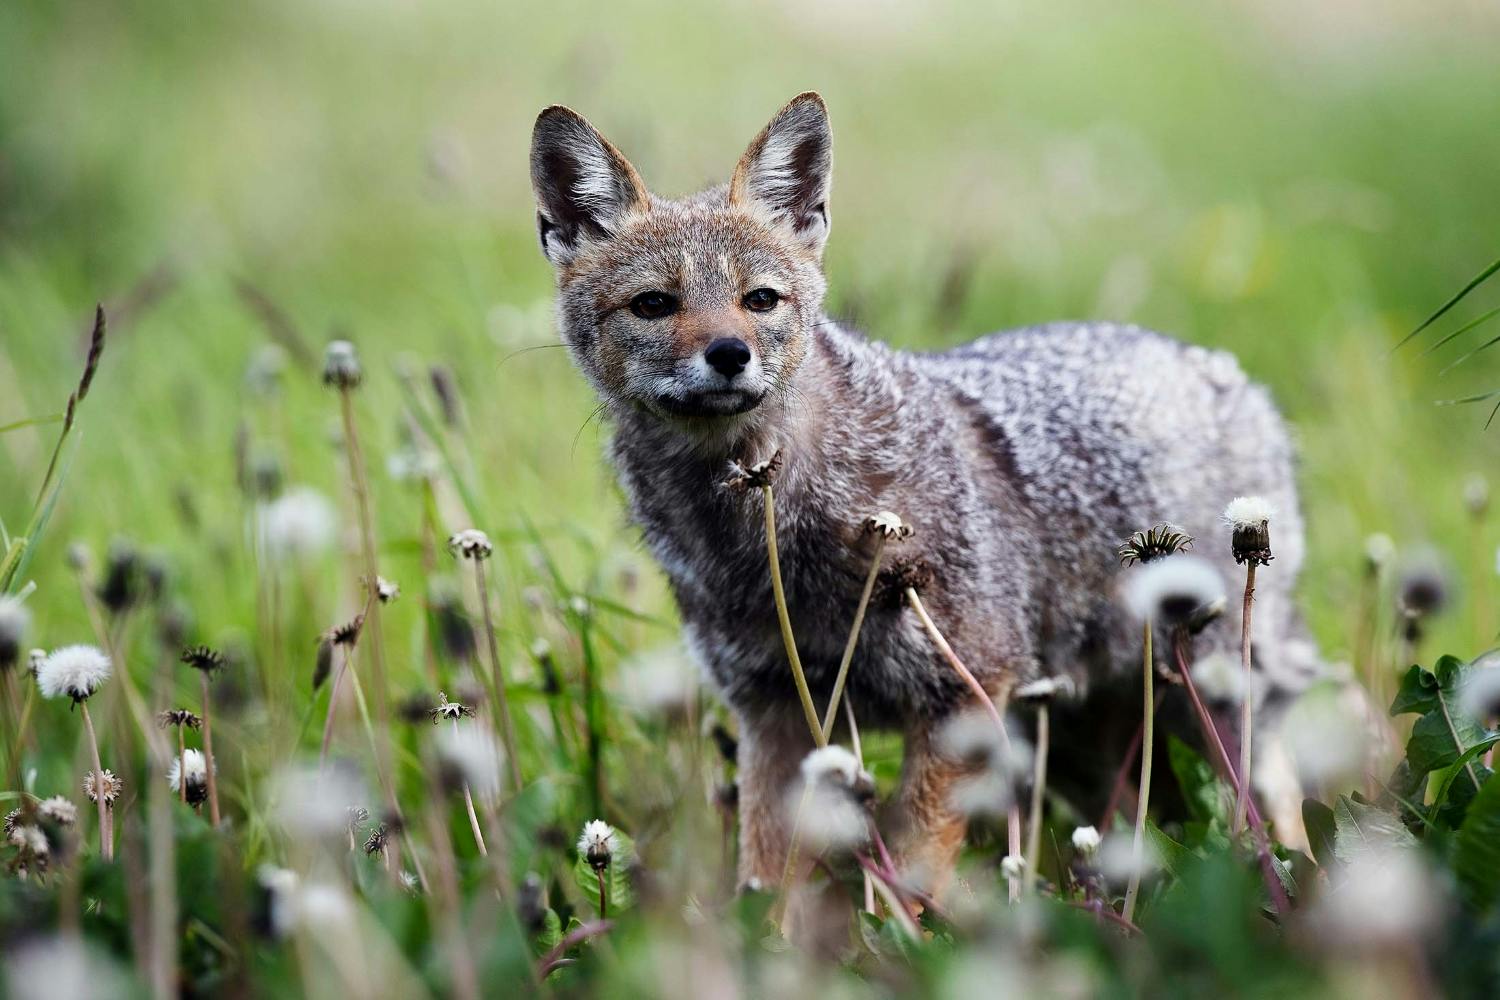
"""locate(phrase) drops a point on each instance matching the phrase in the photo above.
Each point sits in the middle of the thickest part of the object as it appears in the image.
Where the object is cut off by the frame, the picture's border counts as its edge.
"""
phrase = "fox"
(1020, 461)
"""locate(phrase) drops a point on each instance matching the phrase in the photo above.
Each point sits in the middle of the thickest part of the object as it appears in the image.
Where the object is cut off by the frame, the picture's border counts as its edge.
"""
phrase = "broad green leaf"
(550, 934)
(1172, 855)
(1417, 693)
(1476, 854)
(1469, 757)
(1320, 824)
(1200, 788)
(1360, 828)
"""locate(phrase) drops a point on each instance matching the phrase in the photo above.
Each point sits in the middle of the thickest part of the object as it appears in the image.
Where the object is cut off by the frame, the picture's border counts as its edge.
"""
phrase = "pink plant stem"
(1013, 814)
(1211, 734)
(1247, 702)
(106, 835)
(208, 755)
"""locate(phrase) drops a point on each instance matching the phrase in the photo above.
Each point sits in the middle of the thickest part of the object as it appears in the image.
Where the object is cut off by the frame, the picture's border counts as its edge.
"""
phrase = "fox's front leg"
(930, 831)
(772, 745)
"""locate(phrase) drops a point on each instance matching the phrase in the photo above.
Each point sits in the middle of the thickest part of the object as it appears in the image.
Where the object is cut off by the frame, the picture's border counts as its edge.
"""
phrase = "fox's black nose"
(728, 356)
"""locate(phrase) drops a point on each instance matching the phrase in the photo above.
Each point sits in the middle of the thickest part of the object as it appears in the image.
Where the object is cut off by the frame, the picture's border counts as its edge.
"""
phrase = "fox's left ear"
(785, 173)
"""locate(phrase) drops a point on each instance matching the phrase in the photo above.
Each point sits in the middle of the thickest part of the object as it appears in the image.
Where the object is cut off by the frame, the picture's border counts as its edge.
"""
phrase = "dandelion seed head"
(838, 795)
(297, 526)
(1219, 677)
(386, 590)
(471, 754)
(889, 525)
(1086, 840)
(178, 717)
(29, 838)
(62, 967)
(660, 683)
(1424, 588)
(191, 767)
(1379, 551)
(1479, 696)
(470, 543)
(313, 802)
(15, 623)
(449, 711)
(598, 843)
(1387, 897)
(58, 810)
(1172, 589)
(1327, 737)
(1117, 861)
(1477, 495)
(341, 368)
(75, 671)
(104, 783)
(1012, 866)
(1248, 512)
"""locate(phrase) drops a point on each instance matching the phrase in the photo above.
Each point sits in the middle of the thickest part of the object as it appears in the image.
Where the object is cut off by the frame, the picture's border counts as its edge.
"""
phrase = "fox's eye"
(762, 300)
(653, 305)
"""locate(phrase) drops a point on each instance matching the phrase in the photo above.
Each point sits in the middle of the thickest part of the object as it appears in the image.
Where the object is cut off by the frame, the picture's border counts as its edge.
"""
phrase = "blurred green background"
(1298, 185)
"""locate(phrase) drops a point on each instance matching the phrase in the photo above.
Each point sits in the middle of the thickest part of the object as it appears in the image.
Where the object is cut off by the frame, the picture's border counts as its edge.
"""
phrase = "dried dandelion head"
(470, 543)
(449, 711)
(178, 717)
(1154, 543)
(204, 658)
(58, 810)
(907, 573)
(386, 591)
(76, 671)
(341, 368)
(742, 478)
(346, 634)
(888, 525)
(376, 841)
(1249, 520)
(105, 785)
(15, 622)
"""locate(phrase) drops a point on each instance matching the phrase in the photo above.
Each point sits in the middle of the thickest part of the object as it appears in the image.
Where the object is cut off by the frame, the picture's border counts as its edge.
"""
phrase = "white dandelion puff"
(1219, 677)
(1173, 589)
(1012, 866)
(1386, 898)
(598, 843)
(1086, 840)
(15, 622)
(470, 543)
(76, 671)
(1248, 512)
(472, 753)
(661, 682)
(1379, 551)
(59, 810)
(298, 525)
(314, 802)
(1479, 696)
(62, 968)
(1327, 738)
(341, 367)
(195, 773)
(833, 801)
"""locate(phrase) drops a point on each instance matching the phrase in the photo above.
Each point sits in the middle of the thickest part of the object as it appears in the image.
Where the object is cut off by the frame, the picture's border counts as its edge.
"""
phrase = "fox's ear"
(785, 172)
(583, 185)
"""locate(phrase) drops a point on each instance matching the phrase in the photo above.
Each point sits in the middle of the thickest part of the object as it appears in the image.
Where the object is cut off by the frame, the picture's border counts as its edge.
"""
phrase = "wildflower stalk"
(785, 619)
(182, 766)
(859, 620)
(1247, 701)
(1013, 813)
(1211, 736)
(106, 835)
(1038, 789)
(1148, 730)
(163, 878)
(473, 818)
(208, 753)
(502, 703)
(603, 894)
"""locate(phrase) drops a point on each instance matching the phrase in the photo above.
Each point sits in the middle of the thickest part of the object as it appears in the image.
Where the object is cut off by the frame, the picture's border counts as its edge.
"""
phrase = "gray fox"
(1022, 460)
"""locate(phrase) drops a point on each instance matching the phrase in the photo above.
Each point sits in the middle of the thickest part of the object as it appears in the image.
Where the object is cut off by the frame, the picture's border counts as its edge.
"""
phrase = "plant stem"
(208, 755)
(1013, 813)
(473, 819)
(502, 703)
(785, 618)
(603, 894)
(1247, 702)
(1211, 736)
(181, 766)
(859, 620)
(1038, 790)
(333, 700)
(1148, 731)
(106, 836)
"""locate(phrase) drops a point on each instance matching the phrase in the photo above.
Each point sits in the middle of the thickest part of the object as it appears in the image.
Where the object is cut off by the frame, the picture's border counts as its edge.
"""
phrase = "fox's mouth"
(712, 403)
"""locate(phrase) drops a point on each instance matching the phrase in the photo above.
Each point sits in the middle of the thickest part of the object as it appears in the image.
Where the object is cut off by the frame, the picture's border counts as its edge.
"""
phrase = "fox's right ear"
(583, 185)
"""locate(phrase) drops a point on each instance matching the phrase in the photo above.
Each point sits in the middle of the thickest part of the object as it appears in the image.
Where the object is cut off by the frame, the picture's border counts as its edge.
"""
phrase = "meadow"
(239, 188)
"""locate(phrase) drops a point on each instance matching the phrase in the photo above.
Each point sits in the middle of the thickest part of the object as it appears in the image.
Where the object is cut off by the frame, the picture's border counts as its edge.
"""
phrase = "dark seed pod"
(323, 664)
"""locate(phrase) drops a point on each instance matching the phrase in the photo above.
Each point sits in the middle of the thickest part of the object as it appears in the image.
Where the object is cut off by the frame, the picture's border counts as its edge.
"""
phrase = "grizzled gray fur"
(1021, 460)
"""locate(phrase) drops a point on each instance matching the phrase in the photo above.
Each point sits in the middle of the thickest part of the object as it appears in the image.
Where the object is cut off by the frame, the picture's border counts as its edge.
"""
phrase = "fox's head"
(695, 311)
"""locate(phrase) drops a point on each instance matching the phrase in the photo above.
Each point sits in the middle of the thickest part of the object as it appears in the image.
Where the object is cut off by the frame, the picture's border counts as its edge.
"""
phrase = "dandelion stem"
(1038, 790)
(1247, 702)
(469, 805)
(603, 894)
(502, 703)
(859, 620)
(106, 836)
(785, 618)
(208, 754)
(1013, 814)
(1143, 800)
(181, 766)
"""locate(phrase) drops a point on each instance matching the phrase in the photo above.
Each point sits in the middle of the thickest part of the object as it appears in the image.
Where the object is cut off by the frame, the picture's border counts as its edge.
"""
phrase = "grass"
(1302, 192)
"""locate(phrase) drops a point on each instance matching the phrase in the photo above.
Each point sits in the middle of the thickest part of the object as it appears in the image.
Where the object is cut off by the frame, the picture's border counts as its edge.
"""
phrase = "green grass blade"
(1486, 317)
(1478, 280)
(39, 518)
(50, 418)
